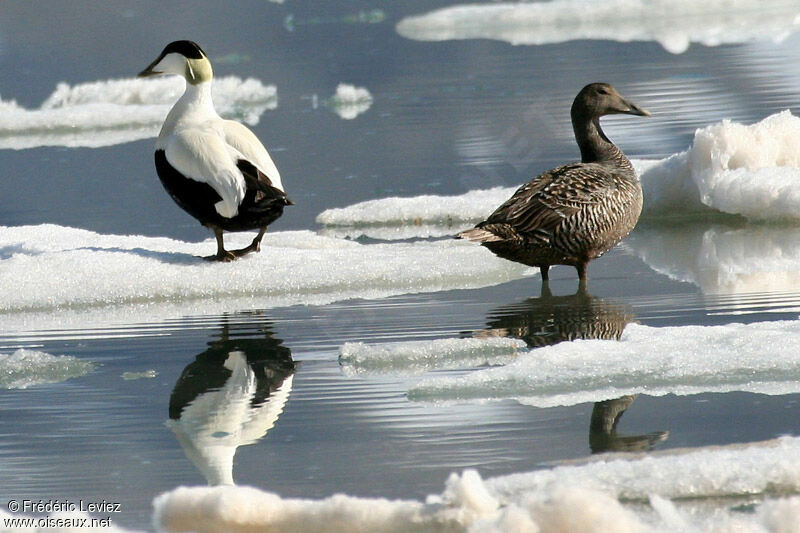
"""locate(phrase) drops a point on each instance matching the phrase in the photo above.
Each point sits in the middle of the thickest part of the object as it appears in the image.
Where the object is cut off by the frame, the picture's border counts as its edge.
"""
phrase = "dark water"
(446, 119)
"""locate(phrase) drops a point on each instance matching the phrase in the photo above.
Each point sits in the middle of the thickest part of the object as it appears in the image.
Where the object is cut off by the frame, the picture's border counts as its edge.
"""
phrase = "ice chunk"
(109, 112)
(25, 368)
(450, 211)
(350, 101)
(673, 24)
(750, 170)
(417, 357)
(759, 357)
(580, 497)
(47, 267)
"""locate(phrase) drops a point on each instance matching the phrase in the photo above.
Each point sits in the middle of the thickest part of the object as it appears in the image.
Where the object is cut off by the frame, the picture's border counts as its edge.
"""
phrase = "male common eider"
(573, 213)
(215, 169)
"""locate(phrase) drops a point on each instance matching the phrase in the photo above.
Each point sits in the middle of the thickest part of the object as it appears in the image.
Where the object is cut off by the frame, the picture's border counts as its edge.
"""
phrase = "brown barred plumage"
(576, 212)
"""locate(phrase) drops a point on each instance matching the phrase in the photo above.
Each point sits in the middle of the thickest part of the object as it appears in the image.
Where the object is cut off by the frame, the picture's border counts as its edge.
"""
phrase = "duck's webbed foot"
(222, 254)
(254, 246)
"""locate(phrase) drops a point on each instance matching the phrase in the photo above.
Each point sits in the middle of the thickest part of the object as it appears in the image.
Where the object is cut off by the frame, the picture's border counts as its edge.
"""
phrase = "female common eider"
(573, 213)
(215, 169)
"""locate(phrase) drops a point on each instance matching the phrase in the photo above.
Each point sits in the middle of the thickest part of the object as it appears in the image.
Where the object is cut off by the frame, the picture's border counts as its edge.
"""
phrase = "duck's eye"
(601, 90)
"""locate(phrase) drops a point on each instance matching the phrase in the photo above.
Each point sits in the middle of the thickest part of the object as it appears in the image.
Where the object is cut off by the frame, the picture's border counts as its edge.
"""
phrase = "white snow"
(759, 357)
(417, 357)
(674, 24)
(749, 170)
(49, 267)
(350, 101)
(25, 368)
(109, 112)
(587, 497)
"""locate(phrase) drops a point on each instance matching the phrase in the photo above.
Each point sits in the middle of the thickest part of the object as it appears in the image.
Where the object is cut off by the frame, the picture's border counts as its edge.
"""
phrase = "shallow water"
(446, 118)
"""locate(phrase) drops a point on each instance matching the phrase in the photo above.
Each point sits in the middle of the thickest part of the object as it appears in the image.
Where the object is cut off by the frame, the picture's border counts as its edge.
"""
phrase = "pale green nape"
(198, 70)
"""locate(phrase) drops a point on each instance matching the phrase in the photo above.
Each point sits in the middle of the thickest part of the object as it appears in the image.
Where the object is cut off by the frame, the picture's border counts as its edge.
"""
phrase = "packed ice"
(109, 112)
(759, 357)
(48, 267)
(674, 25)
(746, 170)
(589, 497)
(350, 101)
(25, 368)
(416, 357)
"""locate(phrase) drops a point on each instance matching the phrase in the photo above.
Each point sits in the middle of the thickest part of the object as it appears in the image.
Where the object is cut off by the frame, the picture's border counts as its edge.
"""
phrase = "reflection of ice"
(416, 357)
(25, 368)
(749, 170)
(760, 357)
(230, 396)
(721, 259)
(672, 23)
(350, 101)
(47, 267)
(583, 497)
(110, 112)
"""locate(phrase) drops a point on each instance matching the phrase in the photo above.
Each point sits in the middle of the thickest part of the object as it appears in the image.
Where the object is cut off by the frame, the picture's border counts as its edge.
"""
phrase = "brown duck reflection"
(548, 320)
(231, 395)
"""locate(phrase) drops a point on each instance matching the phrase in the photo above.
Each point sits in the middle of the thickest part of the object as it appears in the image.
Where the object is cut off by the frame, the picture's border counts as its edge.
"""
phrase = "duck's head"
(184, 58)
(598, 99)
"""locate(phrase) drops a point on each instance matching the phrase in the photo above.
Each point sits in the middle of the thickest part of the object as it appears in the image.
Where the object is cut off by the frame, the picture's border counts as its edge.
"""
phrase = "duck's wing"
(201, 154)
(546, 201)
(245, 143)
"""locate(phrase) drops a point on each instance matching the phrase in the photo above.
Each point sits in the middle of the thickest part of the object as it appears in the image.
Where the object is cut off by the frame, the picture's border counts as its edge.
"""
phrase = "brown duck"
(576, 212)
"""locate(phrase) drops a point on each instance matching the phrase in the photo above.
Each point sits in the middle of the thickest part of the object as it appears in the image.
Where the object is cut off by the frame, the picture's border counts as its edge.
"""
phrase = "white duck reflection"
(722, 258)
(231, 395)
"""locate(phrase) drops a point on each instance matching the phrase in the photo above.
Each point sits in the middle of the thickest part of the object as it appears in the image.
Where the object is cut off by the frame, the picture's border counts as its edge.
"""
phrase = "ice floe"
(48, 267)
(109, 112)
(350, 101)
(674, 24)
(747, 170)
(417, 357)
(25, 368)
(759, 357)
(588, 497)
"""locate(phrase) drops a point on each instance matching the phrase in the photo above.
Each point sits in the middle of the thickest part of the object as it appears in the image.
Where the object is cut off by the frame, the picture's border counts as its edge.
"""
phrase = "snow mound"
(587, 497)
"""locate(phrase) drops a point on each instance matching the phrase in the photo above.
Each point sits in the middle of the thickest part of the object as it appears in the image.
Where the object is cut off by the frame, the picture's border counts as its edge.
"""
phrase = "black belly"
(197, 198)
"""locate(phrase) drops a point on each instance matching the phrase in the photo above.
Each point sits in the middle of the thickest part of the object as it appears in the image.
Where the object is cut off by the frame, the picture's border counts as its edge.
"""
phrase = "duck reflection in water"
(549, 320)
(230, 396)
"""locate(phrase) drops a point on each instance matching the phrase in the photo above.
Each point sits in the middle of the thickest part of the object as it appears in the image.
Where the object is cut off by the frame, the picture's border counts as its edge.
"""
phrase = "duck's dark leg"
(255, 246)
(222, 254)
(581, 267)
(545, 270)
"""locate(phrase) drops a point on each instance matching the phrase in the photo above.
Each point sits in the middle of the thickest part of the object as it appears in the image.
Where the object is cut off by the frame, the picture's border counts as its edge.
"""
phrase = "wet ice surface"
(366, 371)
